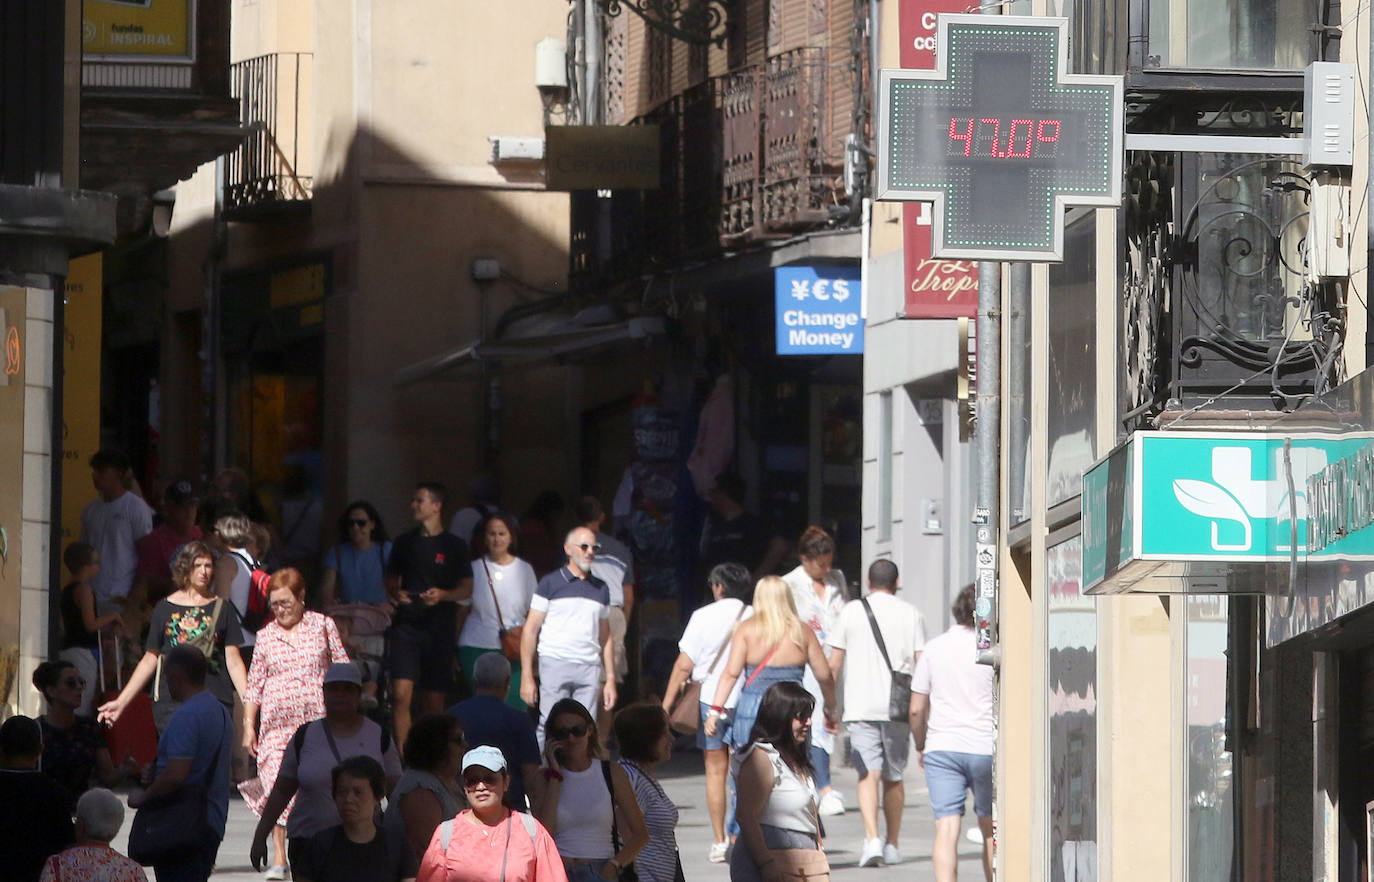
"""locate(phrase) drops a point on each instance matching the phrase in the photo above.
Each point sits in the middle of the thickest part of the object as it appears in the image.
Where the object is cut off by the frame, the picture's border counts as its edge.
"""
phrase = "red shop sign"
(934, 288)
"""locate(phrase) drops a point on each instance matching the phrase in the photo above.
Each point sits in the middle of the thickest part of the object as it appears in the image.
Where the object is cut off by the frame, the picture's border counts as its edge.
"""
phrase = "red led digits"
(982, 138)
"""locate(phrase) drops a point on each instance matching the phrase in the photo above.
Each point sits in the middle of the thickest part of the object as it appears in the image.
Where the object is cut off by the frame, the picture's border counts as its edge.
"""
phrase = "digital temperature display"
(1000, 138)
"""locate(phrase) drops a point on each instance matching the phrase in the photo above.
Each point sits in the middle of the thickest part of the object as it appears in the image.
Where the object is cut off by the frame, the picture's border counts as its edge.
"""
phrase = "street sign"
(818, 310)
(1000, 137)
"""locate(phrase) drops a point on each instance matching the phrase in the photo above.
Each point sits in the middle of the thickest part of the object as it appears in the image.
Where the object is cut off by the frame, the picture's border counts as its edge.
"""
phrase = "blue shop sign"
(818, 310)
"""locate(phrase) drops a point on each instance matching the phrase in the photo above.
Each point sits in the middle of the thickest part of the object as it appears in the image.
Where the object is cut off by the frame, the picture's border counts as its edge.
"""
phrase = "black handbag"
(170, 827)
(899, 694)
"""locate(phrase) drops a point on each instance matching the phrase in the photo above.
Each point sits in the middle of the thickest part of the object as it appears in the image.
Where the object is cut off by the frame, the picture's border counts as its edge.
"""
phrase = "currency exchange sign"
(1000, 137)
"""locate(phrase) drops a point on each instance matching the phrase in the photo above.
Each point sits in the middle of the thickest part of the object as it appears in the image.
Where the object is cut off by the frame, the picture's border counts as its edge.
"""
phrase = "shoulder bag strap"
(531, 826)
(333, 746)
(877, 634)
(610, 788)
(500, 620)
(763, 664)
(446, 833)
(505, 852)
(726, 642)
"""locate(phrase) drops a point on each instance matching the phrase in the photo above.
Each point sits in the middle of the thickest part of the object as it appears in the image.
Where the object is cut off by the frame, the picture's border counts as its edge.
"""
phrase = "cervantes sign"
(934, 288)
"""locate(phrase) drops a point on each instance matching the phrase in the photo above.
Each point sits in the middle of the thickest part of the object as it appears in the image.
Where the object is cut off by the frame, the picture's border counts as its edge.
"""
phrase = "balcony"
(747, 157)
(270, 173)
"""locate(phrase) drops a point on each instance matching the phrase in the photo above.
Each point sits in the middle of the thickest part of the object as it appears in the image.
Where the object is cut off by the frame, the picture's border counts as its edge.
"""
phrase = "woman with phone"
(588, 805)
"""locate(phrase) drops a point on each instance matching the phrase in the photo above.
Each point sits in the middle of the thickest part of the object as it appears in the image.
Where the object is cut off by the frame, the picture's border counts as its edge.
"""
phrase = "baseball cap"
(486, 756)
(343, 672)
(180, 492)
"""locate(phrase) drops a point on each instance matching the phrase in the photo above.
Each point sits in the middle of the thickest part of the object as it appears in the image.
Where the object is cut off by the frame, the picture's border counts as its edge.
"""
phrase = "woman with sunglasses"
(74, 747)
(285, 690)
(778, 808)
(355, 568)
(502, 588)
(489, 842)
(429, 792)
(588, 804)
(356, 850)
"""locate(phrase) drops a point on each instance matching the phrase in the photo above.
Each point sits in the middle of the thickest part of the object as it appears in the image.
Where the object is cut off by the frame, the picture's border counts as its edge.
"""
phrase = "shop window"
(1072, 389)
(1211, 838)
(1072, 644)
(1246, 34)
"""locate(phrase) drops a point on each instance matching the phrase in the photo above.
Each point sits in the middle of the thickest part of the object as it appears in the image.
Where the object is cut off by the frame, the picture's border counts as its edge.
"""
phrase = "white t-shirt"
(573, 611)
(702, 639)
(866, 676)
(113, 527)
(821, 616)
(960, 693)
(514, 587)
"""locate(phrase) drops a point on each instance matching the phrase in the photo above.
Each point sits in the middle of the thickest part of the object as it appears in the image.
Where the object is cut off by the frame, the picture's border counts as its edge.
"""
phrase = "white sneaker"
(832, 804)
(974, 835)
(275, 873)
(717, 853)
(872, 853)
(891, 856)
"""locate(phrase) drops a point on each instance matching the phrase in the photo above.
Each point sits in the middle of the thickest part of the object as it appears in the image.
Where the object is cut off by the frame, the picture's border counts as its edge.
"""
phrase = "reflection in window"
(1073, 361)
(1210, 830)
(1249, 34)
(1072, 635)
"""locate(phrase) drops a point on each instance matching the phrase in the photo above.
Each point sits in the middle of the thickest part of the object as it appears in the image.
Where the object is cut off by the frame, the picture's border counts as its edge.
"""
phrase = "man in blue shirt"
(196, 747)
(487, 720)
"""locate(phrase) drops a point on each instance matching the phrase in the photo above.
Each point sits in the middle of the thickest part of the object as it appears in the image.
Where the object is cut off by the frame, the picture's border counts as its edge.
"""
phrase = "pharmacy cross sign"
(1000, 138)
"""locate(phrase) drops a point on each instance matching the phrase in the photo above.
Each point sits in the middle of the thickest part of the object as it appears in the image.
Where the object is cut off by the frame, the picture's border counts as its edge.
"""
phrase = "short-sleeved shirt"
(114, 527)
(658, 860)
(476, 852)
(489, 720)
(614, 565)
(314, 809)
(332, 857)
(424, 562)
(960, 693)
(173, 624)
(514, 587)
(361, 574)
(867, 678)
(573, 609)
(199, 730)
(69, 754)
(706, 636)
(156, 550)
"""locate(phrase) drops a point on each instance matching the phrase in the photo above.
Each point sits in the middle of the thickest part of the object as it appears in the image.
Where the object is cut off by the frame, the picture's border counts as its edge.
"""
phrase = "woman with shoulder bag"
(704, 646)
(778, 803)
(588, 804)
(502, 587)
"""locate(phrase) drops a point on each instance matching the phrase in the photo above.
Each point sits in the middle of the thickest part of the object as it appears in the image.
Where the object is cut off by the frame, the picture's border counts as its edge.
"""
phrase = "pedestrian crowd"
(331, 724)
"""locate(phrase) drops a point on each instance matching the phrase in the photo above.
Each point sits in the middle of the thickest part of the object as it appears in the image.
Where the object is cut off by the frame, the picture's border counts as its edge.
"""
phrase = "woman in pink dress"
(285, 690)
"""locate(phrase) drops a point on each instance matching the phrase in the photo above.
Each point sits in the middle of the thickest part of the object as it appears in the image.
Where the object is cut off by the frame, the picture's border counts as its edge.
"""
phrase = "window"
(1073, 360)
(1072, 646)
(1248, 34)
(1211, 839)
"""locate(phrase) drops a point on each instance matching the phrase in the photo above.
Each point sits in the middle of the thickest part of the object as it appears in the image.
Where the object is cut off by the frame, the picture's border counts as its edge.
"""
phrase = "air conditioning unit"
(514, 148)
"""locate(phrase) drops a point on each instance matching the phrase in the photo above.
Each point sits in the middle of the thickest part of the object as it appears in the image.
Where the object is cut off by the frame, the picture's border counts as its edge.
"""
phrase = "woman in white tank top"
(586, 802)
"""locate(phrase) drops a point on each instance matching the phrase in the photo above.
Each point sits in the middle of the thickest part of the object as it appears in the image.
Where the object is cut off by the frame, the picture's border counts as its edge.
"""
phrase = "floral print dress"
(286, 681)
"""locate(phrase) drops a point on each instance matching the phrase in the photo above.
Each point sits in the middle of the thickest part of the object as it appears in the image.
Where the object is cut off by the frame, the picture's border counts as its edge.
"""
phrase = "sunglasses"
(596, 549)
(489, 781)
(357, 523)
(574, 731)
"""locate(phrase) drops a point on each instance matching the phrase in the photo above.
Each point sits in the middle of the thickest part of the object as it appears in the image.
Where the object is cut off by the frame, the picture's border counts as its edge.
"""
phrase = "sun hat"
(486, 756)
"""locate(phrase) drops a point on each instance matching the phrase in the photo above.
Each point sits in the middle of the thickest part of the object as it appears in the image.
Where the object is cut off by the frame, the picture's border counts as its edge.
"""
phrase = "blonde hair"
(235, 529)
(775, 614)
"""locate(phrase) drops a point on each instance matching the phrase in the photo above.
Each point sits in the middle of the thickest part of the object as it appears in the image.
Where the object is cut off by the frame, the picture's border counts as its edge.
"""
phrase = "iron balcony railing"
(272, 168)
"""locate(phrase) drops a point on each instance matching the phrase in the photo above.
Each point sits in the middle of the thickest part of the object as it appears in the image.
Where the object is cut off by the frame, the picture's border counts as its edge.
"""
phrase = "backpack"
(258, 611)
(446, 829)
(298, 740)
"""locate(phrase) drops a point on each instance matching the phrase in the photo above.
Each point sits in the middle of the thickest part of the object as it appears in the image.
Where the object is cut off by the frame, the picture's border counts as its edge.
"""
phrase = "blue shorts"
(951, 775)
(722, 736)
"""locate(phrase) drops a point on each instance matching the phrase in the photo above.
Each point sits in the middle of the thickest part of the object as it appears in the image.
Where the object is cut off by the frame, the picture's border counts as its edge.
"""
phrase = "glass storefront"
(1073, 361)
(1072, 633)
(1209, 789)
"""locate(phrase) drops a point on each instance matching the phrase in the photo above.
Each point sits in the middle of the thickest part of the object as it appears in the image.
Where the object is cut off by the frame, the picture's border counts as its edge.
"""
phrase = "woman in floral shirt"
(99, 815)
(192, 615)
(285, 690)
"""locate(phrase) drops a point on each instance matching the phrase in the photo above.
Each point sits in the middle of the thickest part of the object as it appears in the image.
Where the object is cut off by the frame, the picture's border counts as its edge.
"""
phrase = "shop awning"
(569, 336)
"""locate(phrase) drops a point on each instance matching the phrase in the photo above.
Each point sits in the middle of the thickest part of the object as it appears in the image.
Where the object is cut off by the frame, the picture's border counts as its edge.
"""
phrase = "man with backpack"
(880, 637)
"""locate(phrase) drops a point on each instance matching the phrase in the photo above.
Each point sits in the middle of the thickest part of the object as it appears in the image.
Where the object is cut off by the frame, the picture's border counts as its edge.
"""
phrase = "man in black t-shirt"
(428, 575)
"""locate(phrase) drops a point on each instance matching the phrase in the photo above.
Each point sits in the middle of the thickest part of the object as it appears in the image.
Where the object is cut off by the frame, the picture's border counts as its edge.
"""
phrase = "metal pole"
(986, 446)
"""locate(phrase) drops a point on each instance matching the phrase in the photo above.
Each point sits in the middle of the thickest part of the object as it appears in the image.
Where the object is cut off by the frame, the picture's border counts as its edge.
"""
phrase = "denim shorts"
(721, 738)
(949, 777)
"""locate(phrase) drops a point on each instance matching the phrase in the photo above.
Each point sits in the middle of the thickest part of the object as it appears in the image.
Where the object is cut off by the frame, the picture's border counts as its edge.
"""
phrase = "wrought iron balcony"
(270, 172)
(744, 160)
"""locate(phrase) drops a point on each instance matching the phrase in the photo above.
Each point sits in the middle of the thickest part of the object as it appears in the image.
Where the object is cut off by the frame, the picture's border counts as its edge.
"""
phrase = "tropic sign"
(1216, 500)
